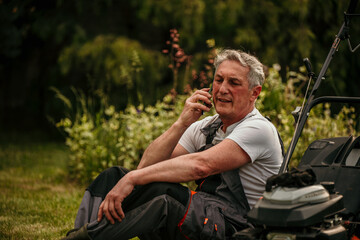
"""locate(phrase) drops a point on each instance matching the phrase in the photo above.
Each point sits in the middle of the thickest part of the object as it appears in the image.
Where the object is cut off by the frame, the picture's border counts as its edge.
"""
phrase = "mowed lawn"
(36, 199)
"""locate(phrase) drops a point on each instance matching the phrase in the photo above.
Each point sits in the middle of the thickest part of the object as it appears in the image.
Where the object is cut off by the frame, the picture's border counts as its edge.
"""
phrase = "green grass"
(36, 200)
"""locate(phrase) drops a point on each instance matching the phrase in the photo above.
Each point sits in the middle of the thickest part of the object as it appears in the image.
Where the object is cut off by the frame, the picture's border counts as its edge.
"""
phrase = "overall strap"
(233, 181)
(210, 133)
(211, 181)
(230, 178)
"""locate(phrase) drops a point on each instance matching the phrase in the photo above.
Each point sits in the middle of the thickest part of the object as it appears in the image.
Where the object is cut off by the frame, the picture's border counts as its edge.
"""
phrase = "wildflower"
(179, 53)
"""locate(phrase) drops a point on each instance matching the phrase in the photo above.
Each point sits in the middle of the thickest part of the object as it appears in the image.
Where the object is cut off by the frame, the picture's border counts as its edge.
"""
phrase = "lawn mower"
(320, 199)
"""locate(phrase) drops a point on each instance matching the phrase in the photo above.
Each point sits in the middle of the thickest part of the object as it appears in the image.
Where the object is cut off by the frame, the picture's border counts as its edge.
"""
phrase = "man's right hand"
(111, 207)
(163, 148)
(194, 107)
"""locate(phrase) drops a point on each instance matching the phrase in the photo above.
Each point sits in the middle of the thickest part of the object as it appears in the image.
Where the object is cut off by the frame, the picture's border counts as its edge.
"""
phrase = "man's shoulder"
(257, 122)
(256, 118)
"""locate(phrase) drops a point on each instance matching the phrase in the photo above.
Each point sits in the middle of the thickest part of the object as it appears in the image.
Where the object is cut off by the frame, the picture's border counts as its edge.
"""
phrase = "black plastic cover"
(328, 159)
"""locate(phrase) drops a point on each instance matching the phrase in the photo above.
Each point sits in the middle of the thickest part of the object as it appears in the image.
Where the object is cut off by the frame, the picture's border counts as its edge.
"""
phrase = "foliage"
(112, 137)
(118, 67)
(35, 34)
(281, 32)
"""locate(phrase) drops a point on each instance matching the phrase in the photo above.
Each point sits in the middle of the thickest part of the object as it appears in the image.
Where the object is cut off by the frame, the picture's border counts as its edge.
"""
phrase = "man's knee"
(106, 180)
(149, 192)
(176, 191)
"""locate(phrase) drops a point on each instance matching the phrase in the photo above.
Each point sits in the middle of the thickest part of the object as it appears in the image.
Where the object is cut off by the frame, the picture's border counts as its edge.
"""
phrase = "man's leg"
(95, 194)
(158, 215)
(156, 207)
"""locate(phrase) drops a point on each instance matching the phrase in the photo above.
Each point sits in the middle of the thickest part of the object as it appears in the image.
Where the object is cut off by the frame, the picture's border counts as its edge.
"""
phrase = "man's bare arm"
(224, 156)
(165, 146)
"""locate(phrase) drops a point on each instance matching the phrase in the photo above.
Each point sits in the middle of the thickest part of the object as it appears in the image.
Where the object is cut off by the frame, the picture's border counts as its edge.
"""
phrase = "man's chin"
(224, 114)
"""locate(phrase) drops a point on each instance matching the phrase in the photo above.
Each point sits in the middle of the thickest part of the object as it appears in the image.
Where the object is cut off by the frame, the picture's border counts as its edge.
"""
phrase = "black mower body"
(337, 160)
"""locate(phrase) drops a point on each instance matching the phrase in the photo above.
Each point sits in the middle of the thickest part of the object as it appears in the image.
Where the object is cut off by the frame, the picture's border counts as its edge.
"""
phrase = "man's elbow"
(202, 168)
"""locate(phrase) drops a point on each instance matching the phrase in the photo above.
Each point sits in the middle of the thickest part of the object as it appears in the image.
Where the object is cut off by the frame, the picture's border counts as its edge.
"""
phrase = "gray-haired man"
(230, 155)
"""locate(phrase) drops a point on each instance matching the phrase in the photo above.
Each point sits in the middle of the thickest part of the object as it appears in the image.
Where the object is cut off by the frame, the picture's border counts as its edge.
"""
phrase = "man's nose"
(224, 88)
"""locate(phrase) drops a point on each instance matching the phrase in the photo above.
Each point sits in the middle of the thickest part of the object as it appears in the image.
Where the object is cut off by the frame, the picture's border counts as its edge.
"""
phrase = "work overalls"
(169, 211)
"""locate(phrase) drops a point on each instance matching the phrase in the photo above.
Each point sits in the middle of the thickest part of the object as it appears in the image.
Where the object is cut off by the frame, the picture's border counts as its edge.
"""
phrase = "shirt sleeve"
(193, 138)
(187, 139)
(255, 137)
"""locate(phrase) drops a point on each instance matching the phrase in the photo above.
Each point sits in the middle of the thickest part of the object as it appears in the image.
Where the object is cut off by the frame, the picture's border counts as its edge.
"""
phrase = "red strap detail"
(201, 183)
(183, 219)
(215, 227)
(354, 238)
(206, 220)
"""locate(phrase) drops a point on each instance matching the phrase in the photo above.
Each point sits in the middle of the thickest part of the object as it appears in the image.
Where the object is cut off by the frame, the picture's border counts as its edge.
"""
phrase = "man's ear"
(255, 92)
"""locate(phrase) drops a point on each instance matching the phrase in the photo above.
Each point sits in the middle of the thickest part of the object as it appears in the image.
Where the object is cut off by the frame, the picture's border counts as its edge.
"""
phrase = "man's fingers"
(201, 95)
(113, 211)
(201, 107)
(204, 99)
(107, 213)
(100, 213)
(119, 210)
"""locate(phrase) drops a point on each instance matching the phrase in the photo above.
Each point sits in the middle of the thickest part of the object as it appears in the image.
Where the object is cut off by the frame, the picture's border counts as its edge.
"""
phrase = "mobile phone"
(211, 88)
(210, 92)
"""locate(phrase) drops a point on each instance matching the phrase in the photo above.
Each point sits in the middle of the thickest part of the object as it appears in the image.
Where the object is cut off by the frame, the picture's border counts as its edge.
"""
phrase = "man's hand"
(111, 206)
(194, 107)
(165, 146)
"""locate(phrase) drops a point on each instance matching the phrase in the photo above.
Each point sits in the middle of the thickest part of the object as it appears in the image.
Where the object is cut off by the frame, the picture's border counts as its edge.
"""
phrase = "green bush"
(114, 138)
(122, 68)
(110, 137)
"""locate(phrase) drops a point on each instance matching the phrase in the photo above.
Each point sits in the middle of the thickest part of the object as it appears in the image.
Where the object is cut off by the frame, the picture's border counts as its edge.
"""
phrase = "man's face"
(231, 94)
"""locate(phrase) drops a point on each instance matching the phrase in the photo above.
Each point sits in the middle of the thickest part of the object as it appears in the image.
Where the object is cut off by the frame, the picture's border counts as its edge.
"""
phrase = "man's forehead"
(232, 67)
(239, 72)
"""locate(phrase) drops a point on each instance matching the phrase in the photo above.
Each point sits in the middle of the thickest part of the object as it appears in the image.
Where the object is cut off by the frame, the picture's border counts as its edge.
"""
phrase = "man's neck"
(228, 122)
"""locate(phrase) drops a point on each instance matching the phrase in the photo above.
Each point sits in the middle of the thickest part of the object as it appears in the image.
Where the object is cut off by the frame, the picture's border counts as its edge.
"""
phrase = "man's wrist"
(180, 125)
(131, 178)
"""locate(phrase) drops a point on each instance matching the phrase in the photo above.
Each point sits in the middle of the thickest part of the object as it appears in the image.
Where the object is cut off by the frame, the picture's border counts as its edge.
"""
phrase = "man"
(230, 155)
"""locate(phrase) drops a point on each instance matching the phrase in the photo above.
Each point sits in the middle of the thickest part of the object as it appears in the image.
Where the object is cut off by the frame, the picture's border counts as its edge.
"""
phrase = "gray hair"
(256, 74)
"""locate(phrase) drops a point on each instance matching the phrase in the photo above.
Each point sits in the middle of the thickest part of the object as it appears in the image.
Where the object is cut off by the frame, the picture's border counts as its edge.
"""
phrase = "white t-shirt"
(257, 136)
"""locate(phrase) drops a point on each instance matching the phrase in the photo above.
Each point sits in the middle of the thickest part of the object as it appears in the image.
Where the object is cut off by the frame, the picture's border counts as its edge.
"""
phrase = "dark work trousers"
(169, 211)
(152, 211)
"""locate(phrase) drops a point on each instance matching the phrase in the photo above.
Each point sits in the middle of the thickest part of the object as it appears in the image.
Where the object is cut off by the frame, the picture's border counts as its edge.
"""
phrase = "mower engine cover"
(309, 194)
(295, 207)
